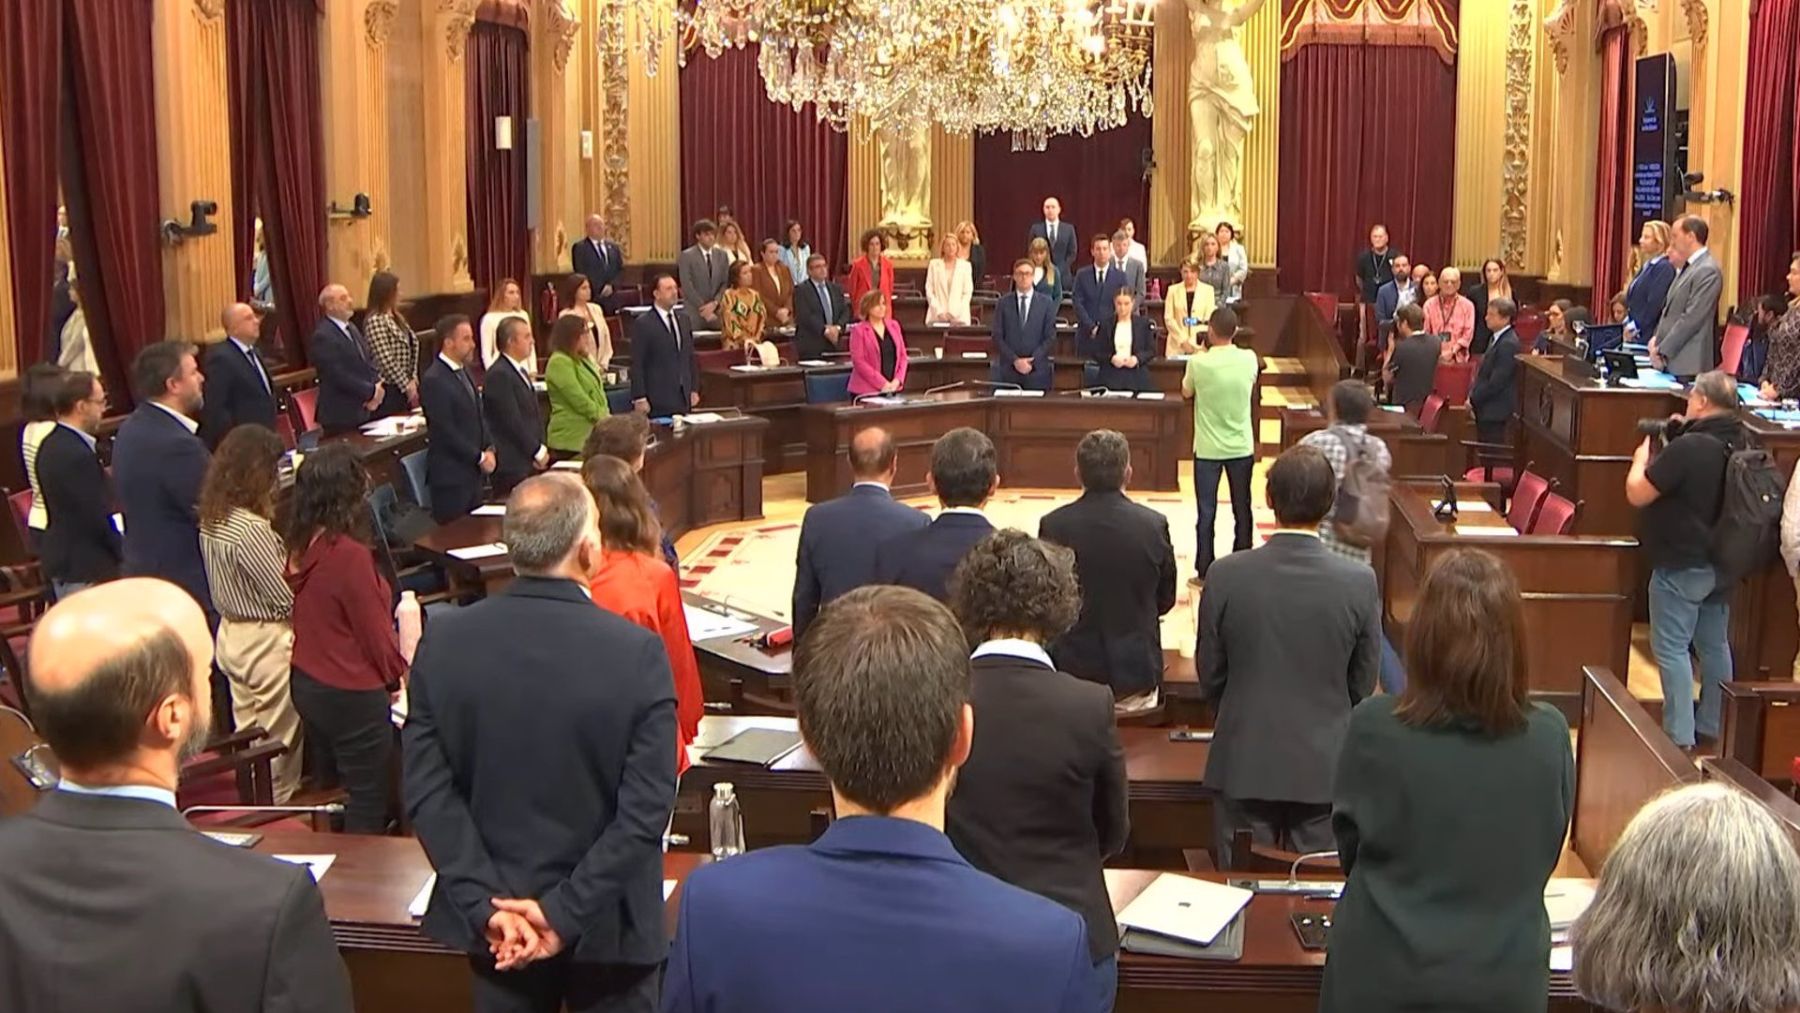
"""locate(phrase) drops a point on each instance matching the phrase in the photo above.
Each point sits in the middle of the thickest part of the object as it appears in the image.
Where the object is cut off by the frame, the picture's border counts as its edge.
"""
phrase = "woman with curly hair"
(1041, 801)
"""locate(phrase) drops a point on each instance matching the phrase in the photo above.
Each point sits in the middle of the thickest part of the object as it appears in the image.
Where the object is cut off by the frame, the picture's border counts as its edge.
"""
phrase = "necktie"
(1052, 233)
(356, 338)
(1024, 302)
(824, 299)
(599, 249)
(669, 322)
(256, 364)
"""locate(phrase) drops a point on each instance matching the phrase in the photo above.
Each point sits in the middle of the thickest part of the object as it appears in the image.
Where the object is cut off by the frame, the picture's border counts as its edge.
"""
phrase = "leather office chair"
(1431, 413)
(827, 386)
(305, 404)
(1453, 380)
(1556, 517)
(413, 465)
(618, 400)
(1090, 374)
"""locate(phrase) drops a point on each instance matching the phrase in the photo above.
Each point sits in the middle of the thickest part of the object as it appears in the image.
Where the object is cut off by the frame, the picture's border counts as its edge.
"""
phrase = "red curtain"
(766, 161)
(31, 50)
(1098, 179)
(1612, 210)
(1368, 134)
(1770, 211)
(496, 83)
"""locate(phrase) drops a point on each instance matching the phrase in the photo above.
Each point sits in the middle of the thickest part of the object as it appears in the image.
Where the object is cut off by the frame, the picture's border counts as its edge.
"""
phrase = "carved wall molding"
(616, 170)
(1697, 21)
(458, 19)
(209, 10)
(1559, 29)
(1622, 14)
(378, 21)
(563, 25)
(1516, 160)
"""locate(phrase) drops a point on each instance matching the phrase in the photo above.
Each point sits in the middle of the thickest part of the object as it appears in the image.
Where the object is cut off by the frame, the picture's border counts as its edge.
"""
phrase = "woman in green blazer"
(1450, 808)
(577, 392)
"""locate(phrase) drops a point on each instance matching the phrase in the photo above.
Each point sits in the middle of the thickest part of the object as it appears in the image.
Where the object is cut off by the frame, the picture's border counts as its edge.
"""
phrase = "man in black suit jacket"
(459, 453)
(350, 388)
(1412, 368)
(109, 899)
(1024, 332)
(1126, 563)
(81, 544)
(542, 798)
(818, 331)
(964, 475)
(597, 258)
(239, 390)
(159, 464)
(665, 379)
(514, 419)
(1061, 236)
(1495, 394)
(838, 538)
(1290, 640)
(1041, 802)
(1375, 265)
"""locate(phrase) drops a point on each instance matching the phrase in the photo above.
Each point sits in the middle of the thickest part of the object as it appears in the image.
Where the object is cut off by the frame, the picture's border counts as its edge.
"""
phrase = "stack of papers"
(473, 552)
(1564, 901)
(704, 624)
(1009, 392)
(1653, 382)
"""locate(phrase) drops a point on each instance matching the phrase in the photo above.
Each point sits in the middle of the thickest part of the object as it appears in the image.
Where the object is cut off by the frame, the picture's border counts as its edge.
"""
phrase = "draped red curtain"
(1098, 179)
(1612, 209)
(1770, 210)
(1368, 134)
(766, 161)
(498, 67)
(31, 50)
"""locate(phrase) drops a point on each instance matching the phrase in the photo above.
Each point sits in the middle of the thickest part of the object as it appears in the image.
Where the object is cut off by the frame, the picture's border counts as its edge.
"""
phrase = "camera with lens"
(1661, 431)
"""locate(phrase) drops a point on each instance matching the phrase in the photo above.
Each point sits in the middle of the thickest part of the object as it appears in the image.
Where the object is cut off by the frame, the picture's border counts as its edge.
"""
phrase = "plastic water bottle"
(726, 822)
(408, 623)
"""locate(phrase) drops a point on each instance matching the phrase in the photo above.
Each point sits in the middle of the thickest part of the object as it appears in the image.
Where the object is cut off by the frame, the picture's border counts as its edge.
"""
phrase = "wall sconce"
(359, 208)
(175, 233)
(503, 133)
(587, 145)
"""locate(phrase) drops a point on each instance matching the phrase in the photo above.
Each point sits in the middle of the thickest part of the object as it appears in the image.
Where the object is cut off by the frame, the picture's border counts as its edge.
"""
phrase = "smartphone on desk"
(1313, 930)
(1191, 735)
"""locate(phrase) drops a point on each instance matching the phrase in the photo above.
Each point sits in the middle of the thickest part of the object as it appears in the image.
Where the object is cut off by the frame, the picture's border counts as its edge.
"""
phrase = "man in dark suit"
(1132, 268)
(597, 258)
(882, 905)
(459, 454)
(1495, 394)
(1375, 265)
(541, 799)
(158, 466)
(350, 388)
(821, 312)
(81, 544)
(1042, 801)
(1126, 563)
(1290, 640)
(515, 422)
(1024, 333)
(963, 476)
(665, 378)
(1684, 345)
(1396, 292)
(1061, 236)
(838, 538)
(1094, 288)
(705, 270)
(238, 387)
(1412, 366)
(109, 899)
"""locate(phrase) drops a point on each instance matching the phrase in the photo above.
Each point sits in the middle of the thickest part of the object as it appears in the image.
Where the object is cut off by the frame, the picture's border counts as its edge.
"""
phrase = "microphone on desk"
(958, 385)
(326, 809)
(860, 398)
(1293, 884)
(995, 384)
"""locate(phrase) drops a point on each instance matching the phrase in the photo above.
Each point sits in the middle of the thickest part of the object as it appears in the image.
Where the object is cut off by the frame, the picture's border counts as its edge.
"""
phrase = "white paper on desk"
(1009, 392)
(884, 402)
(747, 369)
(814, 363)
(480, 551)
(1151, 395)
(974, 355)
(1565, 900)
(566, 466)
(707, 625)
(1505, 531)
(1181, 907)
(315, 864)
(1475, 506)
(489, 510)
(1562, 958)
(422, 899)
(697, 419)
(668, 888)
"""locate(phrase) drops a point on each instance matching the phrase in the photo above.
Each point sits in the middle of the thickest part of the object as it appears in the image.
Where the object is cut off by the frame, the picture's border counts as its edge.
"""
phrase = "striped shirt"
(30, 438)
(1328, 442)
(246, 566)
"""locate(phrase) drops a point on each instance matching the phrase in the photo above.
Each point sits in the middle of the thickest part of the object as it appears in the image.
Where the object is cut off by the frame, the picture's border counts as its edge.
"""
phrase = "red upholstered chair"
(1327, 305)
(1527, 498)
(1528, 325)
(957, 344)
(1493, 463)
(306, 407)
(1431, 413)
(1732, 349)
(21, 510)
(1453, 381)
(1557, 516)
(284, 428)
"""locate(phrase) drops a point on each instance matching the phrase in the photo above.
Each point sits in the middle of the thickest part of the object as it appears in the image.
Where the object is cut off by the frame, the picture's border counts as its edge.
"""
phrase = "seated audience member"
(1449, 312)
(508, 304)
(460, 453)
(1123, 346)
(347, 663)
(742, 314)
(541, 798)
(350, 387)
(963, 476)
(838, 537)
(109, 899)
(81, 545)
(393, 346)
(633, 581)
(158, 466)
(509, 409)
(1344, 438)
(1556, 321)
(1450, 807)
(1186, 308)
(1127, 568)
(576, 390)
(37, 409)
(626, 437)
(1575, 322)
(1494, 396)
(949, 285)
(238, 390)
(1041, 801)
(665, 377)
(1283, 700)
(1780, 378)
(1697, 910)
(881, 912)
(821, 312)
(775, 284)
(1412, 363)
(246, 568)
(877, 350)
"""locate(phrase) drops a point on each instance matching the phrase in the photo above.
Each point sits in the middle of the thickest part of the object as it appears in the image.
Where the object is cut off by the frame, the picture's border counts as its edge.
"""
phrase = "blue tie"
(824, 299)
(256, 364)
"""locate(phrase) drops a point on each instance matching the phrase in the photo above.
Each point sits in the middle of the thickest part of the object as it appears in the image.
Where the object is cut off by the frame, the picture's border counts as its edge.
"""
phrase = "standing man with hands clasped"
(1024, 333)
(665, 378)
(1683, 345)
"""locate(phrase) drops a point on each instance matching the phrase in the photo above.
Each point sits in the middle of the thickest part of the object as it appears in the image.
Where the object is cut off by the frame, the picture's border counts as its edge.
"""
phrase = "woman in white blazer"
(1186, 308)
(949, 285)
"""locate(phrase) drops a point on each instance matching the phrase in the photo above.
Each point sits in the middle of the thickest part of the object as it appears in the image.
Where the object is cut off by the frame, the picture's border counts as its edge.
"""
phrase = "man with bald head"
(350, 387)
(239, 390)
(1450, 312)
(109, 900)
(597, 258)
(838, 538)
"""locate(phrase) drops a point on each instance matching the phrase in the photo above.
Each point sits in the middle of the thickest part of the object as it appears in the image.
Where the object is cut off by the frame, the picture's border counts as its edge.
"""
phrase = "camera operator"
(1679, 485)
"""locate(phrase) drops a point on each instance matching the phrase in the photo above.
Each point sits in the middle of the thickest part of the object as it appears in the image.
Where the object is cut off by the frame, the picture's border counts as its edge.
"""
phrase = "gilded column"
(643, 148)
(1515, 177)
(862, 201)
(193, 162)
(353, 85)
(1169, 128)
(1261, 37)
(556, 105)
(952, 180)
(1481, 104)
(446, 25)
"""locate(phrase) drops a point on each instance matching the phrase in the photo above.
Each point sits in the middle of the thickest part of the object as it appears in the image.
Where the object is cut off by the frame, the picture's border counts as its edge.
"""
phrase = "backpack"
(1359, 517)
(1747, 536)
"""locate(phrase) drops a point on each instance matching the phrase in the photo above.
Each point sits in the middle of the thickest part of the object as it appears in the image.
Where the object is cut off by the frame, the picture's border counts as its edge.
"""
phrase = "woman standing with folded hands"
(877, 349)
(949, 286)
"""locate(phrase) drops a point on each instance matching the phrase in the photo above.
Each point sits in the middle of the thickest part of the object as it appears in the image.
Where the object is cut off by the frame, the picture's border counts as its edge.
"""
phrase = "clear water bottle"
(409, 623)
(726, 822)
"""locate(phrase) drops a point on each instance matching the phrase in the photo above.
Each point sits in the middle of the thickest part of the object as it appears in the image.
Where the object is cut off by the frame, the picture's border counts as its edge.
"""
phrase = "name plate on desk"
(1009, 392)
(1151, 395)
(974, 355)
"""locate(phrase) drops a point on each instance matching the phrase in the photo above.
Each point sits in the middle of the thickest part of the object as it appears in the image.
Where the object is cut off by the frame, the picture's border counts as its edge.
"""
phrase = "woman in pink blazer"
(877, 350)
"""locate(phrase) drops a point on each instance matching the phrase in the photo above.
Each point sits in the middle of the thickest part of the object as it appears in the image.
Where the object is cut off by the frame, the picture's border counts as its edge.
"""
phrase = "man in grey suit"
(1131, 267)
(702, 271)
(109, 899)
(1683, 345)
(1290, 640)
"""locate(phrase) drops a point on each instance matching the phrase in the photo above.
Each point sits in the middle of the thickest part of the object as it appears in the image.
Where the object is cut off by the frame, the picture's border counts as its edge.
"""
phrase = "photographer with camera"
(1677, 479)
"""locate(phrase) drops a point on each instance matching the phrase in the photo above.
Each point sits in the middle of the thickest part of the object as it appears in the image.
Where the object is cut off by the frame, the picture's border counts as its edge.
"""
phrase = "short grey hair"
(545, 519)
(1719, 388)
(1101, 459)
(1698, 909)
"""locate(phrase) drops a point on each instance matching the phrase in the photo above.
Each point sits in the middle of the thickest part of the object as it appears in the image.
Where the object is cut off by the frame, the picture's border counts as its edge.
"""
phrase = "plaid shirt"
(394, 346)
(1328, 442)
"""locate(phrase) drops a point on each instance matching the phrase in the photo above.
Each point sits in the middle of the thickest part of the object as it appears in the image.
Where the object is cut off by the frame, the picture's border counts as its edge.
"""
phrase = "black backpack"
(1747, 536)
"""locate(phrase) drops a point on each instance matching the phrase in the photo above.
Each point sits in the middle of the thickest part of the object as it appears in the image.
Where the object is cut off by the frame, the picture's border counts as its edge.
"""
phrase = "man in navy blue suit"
(460, 454)
(664, 378)
(838, 538)
(158, 466)
(238, 388)
(1094, 287)
(350, 388)
(1061, 236)
(880, 914)
(964, 475)
(1024, 333)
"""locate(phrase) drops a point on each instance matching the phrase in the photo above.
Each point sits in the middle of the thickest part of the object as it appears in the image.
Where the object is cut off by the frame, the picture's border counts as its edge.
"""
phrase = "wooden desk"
(1622, 760)
(1067, 373)
(1415, 452)
(1035, 437)
(774, 395)
(1576, 589)
(1760, 727)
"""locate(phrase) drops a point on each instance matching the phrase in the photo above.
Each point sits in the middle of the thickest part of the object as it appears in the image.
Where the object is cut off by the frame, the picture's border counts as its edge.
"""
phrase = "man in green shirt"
(1220, 380)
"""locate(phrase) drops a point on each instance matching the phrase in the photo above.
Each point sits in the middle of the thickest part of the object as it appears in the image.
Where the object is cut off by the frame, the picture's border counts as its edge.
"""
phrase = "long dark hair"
(37, 395)
(384, 292)
(1465, 647)
(565, 293)
(330, 493)
(244, 473)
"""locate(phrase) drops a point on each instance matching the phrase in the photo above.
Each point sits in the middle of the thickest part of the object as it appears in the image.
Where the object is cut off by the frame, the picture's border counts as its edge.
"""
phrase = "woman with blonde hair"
(1214, 271)
(1649, 288)
(1186, 308)
(949, 286)
(1043, 270)
(508, 301)
(969, 240)
(731, 240)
